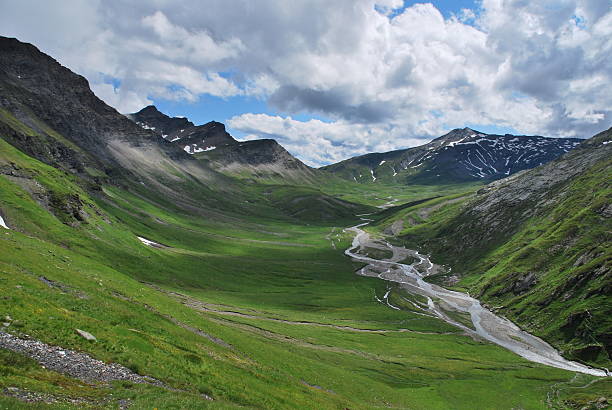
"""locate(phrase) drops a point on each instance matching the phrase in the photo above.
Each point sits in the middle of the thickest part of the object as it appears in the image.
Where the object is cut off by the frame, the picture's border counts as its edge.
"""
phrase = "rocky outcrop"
(210, 142)
(182, 132)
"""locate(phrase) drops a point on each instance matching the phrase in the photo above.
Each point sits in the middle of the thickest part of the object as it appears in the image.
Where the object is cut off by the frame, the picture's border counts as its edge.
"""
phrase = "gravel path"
(74, 364)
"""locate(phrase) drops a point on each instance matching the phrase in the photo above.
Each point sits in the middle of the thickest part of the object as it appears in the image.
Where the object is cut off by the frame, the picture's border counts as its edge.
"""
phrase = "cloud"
(334, 102)
(319, 143)
(376, 70)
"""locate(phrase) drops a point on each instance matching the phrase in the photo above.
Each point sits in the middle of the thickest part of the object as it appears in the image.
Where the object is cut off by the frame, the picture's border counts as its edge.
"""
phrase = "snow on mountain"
(460, 155)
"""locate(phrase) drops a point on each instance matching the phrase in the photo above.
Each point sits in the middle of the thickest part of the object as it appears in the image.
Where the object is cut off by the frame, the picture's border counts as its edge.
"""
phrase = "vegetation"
(548, 271)
(258, 270)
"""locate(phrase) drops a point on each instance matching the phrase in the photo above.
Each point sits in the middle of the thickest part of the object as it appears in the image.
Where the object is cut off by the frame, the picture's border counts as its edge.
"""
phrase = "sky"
(333, 79)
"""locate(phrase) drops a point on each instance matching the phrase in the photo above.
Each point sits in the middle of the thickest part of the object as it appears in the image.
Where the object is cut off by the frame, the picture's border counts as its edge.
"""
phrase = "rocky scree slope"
(537, 247)
(462, 155)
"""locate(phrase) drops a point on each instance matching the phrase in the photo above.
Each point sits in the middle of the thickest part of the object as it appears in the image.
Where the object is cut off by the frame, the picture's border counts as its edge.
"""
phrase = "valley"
(144, 269)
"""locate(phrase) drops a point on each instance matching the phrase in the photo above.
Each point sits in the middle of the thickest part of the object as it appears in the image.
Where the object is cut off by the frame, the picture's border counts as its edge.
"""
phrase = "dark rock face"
(213, 143)
(461, 155)
(258, 152)
(524, 283)
(182, 132)
(40, 92)
(150, 117)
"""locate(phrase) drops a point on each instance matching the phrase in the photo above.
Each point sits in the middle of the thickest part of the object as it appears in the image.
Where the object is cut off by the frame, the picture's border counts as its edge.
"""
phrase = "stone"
(86, 335)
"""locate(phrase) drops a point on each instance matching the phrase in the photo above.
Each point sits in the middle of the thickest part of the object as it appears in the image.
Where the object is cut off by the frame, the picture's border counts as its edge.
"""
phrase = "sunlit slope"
(281, 297)
(535, 247)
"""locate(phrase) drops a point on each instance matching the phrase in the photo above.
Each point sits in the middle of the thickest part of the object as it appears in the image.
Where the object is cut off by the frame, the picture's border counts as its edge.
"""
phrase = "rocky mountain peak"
(463, 154)
(457, 134)
(152, 119)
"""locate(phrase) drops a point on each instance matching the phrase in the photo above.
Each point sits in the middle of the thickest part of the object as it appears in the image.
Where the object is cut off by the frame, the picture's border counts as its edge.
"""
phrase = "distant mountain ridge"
(50, 113)
(462, 155)
(179, 130)
(260, 159)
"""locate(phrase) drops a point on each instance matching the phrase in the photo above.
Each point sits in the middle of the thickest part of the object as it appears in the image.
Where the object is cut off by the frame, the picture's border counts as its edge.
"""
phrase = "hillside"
(534, 246)
(135, 274)
(462, 155)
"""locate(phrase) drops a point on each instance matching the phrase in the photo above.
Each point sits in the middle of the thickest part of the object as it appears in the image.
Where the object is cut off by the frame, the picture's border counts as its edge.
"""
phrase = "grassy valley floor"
(256, 311)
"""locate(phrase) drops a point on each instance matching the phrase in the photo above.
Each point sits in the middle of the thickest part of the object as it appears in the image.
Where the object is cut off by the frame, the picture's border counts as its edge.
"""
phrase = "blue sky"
(211, 108)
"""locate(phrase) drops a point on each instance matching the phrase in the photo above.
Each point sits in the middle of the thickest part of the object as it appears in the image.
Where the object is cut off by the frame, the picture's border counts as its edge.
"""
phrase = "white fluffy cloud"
(383, 77)
(318, 142)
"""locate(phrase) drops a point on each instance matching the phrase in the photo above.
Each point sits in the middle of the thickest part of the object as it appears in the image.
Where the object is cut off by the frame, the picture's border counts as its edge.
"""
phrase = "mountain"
(182, 132)
(263, 160)
(535, 246)
(50, 113)
(136, 275)
(68, 126)
(462, 155)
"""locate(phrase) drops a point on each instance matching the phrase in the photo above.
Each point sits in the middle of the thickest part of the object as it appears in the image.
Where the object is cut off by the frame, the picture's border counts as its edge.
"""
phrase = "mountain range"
(459, 156)
(262, 159)
(146, 261)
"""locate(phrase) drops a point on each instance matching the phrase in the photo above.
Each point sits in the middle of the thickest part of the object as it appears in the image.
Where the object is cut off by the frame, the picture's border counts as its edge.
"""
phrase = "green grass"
(255, 258)
(568, 302)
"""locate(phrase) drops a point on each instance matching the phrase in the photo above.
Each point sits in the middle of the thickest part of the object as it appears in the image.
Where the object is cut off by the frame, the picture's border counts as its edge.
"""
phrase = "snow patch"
(373, 177)
(197, 149)
(453, 143)
(382, 162)
(145, 126)
(149, 243)
(3, 224)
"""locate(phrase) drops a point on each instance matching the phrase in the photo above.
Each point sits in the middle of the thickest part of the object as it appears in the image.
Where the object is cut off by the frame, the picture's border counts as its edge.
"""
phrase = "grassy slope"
(270, 268)
(569, 303)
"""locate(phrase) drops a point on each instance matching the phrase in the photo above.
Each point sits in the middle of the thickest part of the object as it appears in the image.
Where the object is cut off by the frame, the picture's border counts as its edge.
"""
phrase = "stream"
(441, 301)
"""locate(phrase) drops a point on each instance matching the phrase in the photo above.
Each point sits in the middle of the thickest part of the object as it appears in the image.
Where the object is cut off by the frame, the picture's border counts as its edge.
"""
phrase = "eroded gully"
(440, 301)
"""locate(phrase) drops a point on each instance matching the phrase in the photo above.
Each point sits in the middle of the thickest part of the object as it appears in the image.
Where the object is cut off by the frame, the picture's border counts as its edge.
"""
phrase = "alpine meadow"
(358, 212)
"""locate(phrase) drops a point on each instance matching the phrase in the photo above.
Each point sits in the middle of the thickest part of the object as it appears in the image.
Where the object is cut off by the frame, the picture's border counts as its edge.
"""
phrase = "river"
(440, 301)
